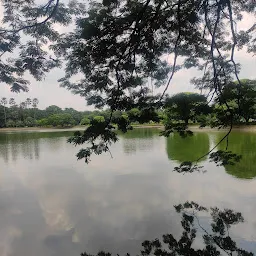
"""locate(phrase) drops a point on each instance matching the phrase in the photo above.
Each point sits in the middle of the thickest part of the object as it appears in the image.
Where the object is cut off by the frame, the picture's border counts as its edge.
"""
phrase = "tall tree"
(243, 96)
(12, 102)
(4, 103)
(28, 102)
(53, 109)
(35, 102)
(22, 108)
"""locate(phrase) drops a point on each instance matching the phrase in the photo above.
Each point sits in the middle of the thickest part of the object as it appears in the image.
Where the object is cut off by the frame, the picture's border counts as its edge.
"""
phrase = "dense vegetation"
(115, 48)
(186, 108)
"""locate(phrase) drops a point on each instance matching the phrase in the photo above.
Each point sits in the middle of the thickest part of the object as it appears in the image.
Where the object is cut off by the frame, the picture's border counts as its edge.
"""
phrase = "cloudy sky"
(49, 92)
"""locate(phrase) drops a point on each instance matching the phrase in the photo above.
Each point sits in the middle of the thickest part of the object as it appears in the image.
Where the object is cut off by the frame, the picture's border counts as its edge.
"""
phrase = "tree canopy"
(242, 97)
(186, 106)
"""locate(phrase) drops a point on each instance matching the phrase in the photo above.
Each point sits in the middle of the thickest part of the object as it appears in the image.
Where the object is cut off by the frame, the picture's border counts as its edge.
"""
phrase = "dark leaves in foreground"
(215, 235)
(99, 136)
(221, 157)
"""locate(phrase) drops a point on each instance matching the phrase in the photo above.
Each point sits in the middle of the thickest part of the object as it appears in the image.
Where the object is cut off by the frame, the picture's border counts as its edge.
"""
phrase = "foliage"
(118, 46)
(186, 106)
(85, 121)
(29, 121)
(242, 97)
(62, 120)
(10, 123)
(27, 28)
(98, 119)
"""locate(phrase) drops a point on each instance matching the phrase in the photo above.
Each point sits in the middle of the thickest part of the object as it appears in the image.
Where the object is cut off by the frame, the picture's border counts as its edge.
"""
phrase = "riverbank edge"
(194, 128)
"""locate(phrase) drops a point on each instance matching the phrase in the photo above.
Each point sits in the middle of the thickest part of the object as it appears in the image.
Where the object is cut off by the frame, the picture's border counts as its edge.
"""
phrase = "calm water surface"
(53, 205)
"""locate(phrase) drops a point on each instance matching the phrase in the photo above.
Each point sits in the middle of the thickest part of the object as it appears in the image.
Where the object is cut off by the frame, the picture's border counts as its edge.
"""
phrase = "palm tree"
(3, 103)
(23, 105)
(28, 102)
(14, 109)
(34, 104)
(12, 102)
(21, 110)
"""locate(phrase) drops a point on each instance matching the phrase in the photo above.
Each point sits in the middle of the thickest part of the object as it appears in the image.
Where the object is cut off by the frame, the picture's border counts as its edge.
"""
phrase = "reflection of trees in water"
(242, 144)
(139, 139)
(27, 144)
(216, 239)
(187, 149)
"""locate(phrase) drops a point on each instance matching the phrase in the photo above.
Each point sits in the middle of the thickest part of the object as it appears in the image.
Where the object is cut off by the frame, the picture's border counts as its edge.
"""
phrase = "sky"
(49, 92)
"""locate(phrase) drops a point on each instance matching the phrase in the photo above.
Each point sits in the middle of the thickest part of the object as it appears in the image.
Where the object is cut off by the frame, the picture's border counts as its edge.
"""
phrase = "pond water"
(51, 204)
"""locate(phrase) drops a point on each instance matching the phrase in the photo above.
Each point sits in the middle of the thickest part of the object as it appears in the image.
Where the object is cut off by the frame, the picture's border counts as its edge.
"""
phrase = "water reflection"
(57, 205)
(242, 144)
(27, 144)
(187, 149)
(139, 140)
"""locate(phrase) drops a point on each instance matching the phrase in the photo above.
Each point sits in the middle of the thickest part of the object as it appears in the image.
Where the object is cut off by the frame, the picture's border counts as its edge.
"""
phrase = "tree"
(13, 110)
(53, 109)
(28, 102)
(4, 103)
(134, 114)
(43, 122)
(36, 22)
(98, 119)
(63, 120)
(85, 121)
(242, 97)
(22, 108)
(75, 114)
(185, 106)
(10, 123)
(138, 35)
(35, 102)
(12, 102)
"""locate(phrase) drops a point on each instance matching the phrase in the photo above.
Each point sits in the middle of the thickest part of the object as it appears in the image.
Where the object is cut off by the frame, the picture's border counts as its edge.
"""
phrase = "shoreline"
(194, 128)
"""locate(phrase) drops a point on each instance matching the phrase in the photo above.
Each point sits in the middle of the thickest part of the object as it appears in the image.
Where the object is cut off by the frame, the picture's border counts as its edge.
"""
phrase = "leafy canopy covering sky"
(49, 93)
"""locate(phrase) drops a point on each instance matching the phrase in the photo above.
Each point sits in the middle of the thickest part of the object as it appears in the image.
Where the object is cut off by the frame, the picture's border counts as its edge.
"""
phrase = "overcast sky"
(49, 93)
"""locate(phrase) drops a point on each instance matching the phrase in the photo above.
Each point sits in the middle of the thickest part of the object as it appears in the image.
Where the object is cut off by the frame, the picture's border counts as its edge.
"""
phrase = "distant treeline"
(237, 101)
